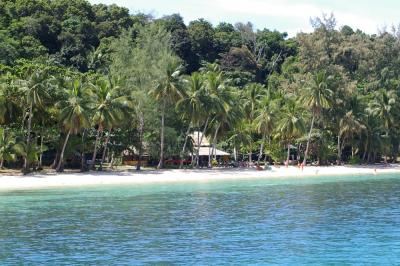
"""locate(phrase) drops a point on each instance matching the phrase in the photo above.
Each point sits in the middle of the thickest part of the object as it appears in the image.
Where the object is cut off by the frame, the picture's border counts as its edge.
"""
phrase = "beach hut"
(206, 149)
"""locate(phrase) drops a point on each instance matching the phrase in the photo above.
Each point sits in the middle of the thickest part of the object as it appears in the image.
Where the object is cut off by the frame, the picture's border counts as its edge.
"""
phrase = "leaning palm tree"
(34, 92)
(251, 98)
(109, 108)
(228, 117)
(213, 101)
(74, 113)
(265, 120)
(168, 90)
(191, 106)
(315, 96)
(239, 137)
(291, 123)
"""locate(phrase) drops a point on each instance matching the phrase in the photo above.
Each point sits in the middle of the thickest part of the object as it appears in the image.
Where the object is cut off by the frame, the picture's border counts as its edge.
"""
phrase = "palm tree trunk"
(199, 142)
(161, 162)
(250, 152)
(308, 140)
(60, 166)
(198, 147)
(266, 155)
(234, 153)
(261, 149)
(103, 156)
(55, 161)
(112, 159)
(1, 163)
(83, 163)
(184, 146)
(339, 150)
(28, 139)
(57, 156)
(141, 126)
(93, 166)
(213, 150)
(41, 148)
(215, 142)
(288, 154)
(385, 157)
(209, 156)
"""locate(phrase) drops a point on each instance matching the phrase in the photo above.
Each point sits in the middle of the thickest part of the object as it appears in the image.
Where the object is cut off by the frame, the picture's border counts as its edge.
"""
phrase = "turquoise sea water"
(321, 220)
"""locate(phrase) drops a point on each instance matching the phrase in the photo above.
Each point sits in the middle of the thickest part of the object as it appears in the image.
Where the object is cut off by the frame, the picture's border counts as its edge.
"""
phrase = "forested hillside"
(80, 82)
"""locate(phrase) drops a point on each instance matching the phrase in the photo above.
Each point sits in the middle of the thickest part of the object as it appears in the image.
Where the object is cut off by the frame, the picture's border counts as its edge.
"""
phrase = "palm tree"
(191, 106)
(168, 90)
(110, 109)
(251, 98)
(214, 103)
(384, 106)
(74, 113)
(226, 112)
(30, 153)
(34, 91)
(349, 125)
(265, 121)
(239, 137)
(316, 96)
(230, 116)
(7, 147)
(373, 142)
(291, 123)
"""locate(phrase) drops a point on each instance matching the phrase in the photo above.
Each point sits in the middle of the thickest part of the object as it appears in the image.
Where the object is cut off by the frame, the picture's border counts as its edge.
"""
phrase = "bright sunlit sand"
(10, 182)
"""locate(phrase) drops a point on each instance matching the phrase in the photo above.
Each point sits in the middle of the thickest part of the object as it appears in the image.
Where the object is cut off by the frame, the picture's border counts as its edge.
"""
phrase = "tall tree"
(110, 109)
(168, 90)
(291, 124)
(74, 113)
(315, 96)
(34, 91)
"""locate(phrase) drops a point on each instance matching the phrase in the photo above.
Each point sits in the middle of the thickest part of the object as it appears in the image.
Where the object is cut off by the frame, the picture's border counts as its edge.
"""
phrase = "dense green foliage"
(81, 81)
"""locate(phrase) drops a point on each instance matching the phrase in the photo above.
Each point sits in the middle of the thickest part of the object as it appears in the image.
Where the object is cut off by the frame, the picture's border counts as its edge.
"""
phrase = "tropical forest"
(84, 85)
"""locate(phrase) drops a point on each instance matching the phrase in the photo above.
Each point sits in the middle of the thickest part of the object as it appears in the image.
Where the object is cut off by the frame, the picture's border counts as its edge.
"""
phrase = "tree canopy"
(82, 82)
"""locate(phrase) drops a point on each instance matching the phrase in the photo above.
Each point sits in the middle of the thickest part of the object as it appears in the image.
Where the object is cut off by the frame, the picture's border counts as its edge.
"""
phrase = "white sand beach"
(52, 180)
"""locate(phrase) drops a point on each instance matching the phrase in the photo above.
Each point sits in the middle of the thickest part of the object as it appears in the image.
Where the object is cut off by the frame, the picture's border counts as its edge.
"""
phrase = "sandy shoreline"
(8, 182)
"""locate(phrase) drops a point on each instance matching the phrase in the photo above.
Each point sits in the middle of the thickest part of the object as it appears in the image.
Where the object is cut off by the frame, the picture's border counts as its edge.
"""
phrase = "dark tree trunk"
(288, 154)
(141, 127)
(60, 166)
(199, 143)
(161, 162)
(339, 150)
(103, 156)
(28, 140)
(83, 161)
(99, 130)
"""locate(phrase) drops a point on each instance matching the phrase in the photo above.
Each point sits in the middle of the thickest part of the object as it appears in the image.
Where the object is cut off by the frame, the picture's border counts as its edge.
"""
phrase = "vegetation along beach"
(201, 127)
